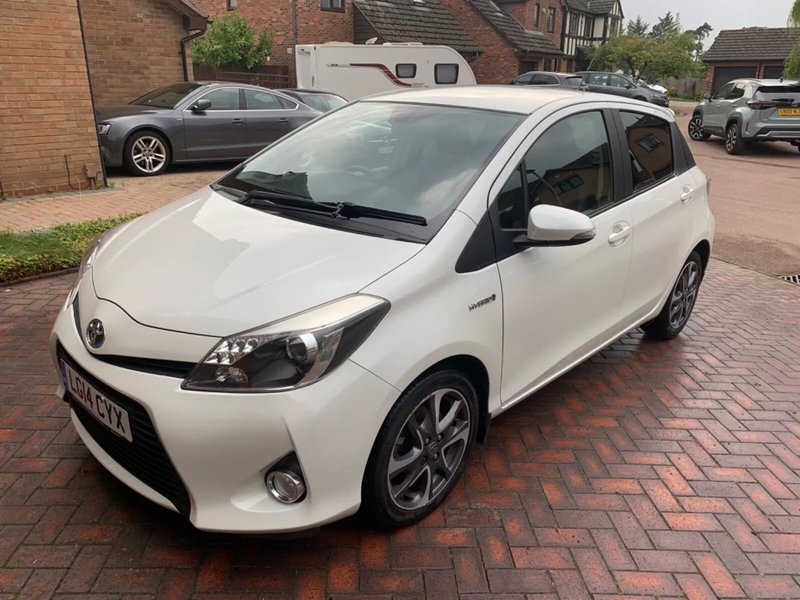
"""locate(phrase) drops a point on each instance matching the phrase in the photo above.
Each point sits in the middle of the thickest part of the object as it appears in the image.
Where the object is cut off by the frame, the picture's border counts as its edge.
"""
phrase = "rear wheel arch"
(704, 250)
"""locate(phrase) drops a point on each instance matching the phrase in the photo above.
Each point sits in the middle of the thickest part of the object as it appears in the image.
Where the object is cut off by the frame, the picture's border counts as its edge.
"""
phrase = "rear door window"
(650, 148)
(542, 79)
(737, 92)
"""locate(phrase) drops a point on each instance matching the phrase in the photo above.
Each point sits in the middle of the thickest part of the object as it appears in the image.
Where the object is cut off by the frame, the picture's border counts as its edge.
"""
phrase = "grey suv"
(620, 85)
(749, 110)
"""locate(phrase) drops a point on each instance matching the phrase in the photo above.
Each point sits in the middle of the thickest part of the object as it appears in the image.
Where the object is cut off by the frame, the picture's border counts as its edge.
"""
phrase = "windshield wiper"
(345, 210)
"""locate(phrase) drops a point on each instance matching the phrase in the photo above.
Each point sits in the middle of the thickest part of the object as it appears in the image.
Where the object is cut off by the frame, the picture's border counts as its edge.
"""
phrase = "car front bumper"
(222, 445)
(661, 102)
(111, 150)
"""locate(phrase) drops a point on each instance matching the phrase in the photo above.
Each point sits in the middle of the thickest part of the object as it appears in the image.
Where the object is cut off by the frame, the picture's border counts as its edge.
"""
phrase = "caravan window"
(406, 71)
(445, 74)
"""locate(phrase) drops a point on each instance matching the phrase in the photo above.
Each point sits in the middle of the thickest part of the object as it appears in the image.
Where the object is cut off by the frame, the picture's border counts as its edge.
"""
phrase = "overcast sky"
(720, 14)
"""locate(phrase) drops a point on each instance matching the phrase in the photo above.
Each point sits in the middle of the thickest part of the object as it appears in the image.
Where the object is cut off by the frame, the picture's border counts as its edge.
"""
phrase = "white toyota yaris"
(334, 323)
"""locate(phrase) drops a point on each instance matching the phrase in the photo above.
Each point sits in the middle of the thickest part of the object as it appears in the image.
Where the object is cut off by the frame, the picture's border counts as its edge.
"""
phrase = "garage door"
(773, 72)
(723, 75)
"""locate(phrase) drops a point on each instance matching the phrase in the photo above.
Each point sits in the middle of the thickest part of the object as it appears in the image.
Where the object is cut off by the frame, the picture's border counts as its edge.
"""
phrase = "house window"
(231, 4)
(337, 5)
(537, 11)
(589, 27)
(573, 24)
(551, 20)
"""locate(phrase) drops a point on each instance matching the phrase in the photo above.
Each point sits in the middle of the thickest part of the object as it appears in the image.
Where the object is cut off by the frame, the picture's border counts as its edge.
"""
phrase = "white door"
(662, 208)
(561, 303)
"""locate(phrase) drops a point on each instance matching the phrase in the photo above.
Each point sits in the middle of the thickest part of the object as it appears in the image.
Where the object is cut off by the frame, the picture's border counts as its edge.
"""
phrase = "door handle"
(687, 193)
(619, 233)
(283, 121)
(237, 121)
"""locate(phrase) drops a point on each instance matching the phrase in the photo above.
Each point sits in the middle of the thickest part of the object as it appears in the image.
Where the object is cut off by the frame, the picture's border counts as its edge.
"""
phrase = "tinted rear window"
(773, 93)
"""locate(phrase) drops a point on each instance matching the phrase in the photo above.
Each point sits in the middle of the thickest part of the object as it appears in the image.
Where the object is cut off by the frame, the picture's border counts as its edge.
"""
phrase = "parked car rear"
(749, 110)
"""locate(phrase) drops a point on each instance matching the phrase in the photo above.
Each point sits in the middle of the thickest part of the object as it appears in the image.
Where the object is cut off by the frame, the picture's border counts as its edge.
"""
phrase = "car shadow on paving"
(654, 469)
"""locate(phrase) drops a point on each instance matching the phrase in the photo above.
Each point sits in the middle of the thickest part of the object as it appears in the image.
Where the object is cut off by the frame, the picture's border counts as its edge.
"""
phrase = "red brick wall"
(133, 47)
(525, 11)
(498, 63)
(314, 25)
(45, 105)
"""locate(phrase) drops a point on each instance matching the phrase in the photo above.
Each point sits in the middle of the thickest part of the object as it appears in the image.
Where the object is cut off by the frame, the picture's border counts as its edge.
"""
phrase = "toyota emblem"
(95, 333)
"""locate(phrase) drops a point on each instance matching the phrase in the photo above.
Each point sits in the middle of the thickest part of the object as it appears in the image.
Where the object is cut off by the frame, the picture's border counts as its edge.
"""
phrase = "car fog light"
(285, 486)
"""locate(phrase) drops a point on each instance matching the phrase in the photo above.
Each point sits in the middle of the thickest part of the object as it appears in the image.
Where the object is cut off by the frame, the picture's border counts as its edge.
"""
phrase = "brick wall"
(498, 63)
(525, 12)
(133, 47)
(314, 25)
(45, 104)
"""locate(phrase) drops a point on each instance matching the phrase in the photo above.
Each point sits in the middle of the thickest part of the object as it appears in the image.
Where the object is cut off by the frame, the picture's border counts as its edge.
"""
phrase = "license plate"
(789, 112)
(100, 407)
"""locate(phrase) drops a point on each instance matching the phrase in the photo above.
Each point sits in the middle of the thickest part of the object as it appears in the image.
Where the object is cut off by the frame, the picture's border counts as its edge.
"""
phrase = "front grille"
(792, 278)
(154, 366)
(145, 457)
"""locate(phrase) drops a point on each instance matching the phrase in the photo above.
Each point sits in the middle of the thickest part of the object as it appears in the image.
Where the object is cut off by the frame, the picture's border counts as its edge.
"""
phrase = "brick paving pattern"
(130, 196)
(654, 470)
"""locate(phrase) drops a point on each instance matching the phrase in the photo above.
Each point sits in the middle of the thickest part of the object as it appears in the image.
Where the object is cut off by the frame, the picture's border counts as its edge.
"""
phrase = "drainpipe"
(294, 40)
(91, 93)
(185, 41)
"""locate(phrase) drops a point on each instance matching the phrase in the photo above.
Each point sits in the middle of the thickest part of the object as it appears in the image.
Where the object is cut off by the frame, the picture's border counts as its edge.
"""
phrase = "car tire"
(680, 303)
(146, 154)
(410, 471)
(734, 144)
(696, 131)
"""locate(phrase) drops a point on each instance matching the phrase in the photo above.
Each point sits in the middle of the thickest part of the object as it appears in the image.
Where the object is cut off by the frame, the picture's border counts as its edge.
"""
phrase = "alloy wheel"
(429, 449)
(684, 295)
(149, 154)
(696, 129)
(732, 138)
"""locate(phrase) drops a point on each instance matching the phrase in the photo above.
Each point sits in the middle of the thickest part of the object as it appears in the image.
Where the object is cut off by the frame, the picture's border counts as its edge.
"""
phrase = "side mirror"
(629, 86)
(556, 226)
(707, 97)
(201, 105)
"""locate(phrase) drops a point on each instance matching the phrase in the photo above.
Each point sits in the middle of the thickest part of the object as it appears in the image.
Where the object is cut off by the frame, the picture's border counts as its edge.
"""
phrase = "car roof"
(766, 81)
(556, 73)
(523, 100)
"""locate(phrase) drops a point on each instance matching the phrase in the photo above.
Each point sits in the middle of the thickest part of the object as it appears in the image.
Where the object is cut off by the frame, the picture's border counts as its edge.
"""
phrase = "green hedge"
(32, 253)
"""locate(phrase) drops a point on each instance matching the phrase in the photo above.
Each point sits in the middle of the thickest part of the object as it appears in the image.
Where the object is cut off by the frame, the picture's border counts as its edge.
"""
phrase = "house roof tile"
(752, 44)
(424, 21)
(512, 29)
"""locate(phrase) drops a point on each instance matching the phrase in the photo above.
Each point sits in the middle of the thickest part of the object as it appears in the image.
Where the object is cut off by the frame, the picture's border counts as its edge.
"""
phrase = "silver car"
(749, 110)
(196, 122)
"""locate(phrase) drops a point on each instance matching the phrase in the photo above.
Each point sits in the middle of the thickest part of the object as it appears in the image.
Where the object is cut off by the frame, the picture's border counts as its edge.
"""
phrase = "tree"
(668, 27)
(638, 27)
(631, 53)
(232, 41)
(703, 31)
(792, 66)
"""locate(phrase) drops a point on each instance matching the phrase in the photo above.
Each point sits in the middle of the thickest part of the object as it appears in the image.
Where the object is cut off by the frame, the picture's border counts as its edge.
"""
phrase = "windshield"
(167, 97)
(775, 93)
(322, 102)
(406, 158)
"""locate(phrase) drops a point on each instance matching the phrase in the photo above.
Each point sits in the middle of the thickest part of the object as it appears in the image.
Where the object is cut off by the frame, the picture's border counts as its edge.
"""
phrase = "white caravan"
(357, 70)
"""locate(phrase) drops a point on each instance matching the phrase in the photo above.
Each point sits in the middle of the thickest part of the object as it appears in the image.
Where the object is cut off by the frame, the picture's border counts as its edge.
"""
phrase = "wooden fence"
(689, 87)
(269, 76)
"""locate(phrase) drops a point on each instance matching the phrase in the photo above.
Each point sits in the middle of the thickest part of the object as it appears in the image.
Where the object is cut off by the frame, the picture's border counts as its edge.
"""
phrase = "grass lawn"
(31, 253)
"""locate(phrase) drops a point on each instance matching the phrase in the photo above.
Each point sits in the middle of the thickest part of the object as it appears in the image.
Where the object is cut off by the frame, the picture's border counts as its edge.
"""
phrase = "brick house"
(572, 25)
(508, 47)
(293, 22)
(59, 59)
(751, 52)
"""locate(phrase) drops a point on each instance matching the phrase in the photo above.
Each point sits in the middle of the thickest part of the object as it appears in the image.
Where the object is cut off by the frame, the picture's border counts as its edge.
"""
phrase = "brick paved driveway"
(669, 470)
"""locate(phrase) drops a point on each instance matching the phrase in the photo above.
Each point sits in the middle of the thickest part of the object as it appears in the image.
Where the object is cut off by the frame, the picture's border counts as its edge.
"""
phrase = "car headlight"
(291, 353)
(103, 128)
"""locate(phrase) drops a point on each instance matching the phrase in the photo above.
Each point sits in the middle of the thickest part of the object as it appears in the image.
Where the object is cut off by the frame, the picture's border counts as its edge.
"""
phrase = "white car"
(335, 322)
